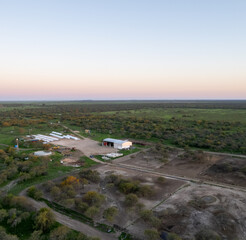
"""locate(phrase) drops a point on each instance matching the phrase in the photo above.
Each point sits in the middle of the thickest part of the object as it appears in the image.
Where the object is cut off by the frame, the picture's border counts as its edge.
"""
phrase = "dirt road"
(74, 224)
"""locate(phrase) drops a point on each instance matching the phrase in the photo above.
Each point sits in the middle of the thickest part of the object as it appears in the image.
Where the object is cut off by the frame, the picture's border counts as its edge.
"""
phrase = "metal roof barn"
(116, 143)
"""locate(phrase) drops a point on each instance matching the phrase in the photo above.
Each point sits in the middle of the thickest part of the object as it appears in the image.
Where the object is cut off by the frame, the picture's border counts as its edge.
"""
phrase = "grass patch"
(88, 162)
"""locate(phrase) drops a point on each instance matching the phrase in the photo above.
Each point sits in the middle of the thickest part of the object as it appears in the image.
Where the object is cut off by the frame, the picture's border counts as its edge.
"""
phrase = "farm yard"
(169, 183)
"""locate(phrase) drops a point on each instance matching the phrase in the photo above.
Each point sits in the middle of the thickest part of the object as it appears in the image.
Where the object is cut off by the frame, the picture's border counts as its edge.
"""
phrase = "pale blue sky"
(122, 49)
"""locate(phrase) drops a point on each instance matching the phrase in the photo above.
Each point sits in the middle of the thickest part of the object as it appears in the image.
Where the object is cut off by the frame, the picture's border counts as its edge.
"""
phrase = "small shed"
(116, 143)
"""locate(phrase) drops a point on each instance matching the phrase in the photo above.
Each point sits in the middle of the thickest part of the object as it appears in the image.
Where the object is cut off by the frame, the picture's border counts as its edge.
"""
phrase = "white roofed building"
(115, 143)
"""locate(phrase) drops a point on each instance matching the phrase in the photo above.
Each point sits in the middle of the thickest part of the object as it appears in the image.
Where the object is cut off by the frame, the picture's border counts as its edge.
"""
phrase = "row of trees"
(19, 217)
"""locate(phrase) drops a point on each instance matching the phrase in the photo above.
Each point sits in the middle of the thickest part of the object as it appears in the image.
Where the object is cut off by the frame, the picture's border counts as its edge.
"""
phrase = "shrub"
(45, 219)
(152, 234)
(131, 200)
(92, 212)
(90, 175)
(33, 192)
(93, 198)
(110, 213)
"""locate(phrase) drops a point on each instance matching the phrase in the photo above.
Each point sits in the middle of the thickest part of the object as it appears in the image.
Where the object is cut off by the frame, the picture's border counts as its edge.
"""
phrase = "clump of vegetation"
(131, 200)
(195, 156)
(152, 234)
(90, 175)
(128, 186)
(33, 192)
(148, 217)
(44, 220)
(110, 213)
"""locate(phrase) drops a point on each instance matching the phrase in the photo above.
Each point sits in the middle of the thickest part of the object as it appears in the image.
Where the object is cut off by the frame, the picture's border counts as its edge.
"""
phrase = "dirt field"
(228, 170)
(86, 146)
(175, 165)
(195, 207)
(186, 168)
(113, 197)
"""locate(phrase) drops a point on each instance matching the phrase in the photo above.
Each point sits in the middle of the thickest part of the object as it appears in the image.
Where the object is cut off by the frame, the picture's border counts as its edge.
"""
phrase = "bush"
(131, 200)
(110, 213)
(45, 219)
(60, 233)
(93, 198)
(33, 192)
(90, 175)
(161, 179)
(92, 212)
(152, 234)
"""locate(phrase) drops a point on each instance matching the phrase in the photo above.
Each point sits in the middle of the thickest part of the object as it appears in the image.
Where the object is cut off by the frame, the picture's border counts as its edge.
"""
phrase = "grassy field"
(230, 115)
(9, 134)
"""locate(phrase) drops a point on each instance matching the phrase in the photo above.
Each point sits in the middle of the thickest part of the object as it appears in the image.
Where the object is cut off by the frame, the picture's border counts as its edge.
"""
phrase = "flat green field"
(229, 115)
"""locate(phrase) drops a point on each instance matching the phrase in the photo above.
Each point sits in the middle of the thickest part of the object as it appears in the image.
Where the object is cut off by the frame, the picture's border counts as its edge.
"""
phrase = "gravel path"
(74, 224)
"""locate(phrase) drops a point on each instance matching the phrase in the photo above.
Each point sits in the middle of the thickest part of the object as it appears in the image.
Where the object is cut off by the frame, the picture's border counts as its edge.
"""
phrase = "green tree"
(60, 233)
(92, 212)
(110, 213)
(93, 198)
(131, 200)
(3, 214)
(44, 219)
(33, 192)
(36, 235)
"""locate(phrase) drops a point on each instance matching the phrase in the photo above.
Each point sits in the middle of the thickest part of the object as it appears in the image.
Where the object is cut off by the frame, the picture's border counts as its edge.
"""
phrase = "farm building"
(115, 143)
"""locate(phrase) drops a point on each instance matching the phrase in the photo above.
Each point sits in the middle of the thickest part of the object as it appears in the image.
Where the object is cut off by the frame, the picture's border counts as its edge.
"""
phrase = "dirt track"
(74, 224)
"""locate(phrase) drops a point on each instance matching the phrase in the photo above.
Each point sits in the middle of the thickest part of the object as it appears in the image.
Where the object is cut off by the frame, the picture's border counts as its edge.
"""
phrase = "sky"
(125, 49)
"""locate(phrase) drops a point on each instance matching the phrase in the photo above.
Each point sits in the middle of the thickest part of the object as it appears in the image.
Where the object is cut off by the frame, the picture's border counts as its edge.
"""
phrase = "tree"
(36, 235)
(110, 213)
(55, 192)
(3, 214)
(131, 200)
(92, 211)
(33, 192)
(5, 236)
(59, 233)
(152, 234)
(93, 198)
(44, 219)
(71, 180)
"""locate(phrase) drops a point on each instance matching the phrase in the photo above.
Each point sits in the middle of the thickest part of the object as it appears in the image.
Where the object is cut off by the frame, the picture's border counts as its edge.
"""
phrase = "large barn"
(115, 143)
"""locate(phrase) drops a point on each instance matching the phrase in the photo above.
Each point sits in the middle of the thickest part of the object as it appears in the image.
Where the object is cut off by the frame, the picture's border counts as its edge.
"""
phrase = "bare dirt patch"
(186, 167)
(186, 213)
(86, 146)
(228, 170)
(162, 191)
(174, 164)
